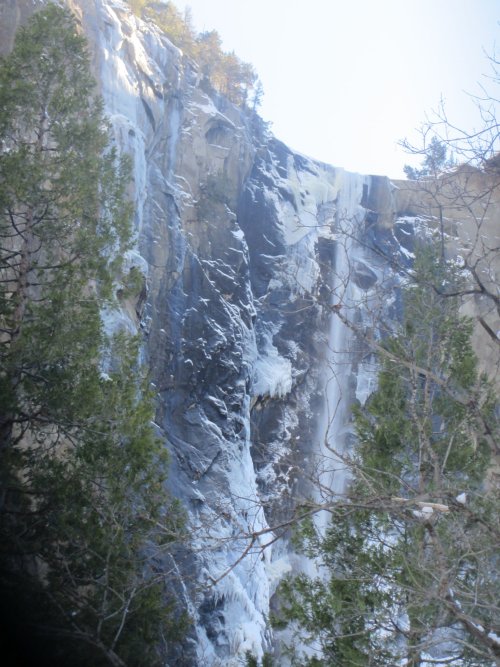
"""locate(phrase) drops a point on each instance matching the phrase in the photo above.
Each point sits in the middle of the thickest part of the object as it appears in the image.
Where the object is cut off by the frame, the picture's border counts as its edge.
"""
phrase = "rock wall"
(246, 249)
(235, 236)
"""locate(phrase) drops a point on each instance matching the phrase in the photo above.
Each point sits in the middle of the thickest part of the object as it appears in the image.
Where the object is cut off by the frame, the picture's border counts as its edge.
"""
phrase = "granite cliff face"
(245, 248)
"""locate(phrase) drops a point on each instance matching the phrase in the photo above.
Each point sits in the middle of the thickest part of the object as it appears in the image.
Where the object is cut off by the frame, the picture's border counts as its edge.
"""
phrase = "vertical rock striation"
(235, 236)
(237, 240)
(245, 248)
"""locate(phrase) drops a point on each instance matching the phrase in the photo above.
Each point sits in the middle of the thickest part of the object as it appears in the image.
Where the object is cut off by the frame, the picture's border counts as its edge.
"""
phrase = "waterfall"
(334, 425)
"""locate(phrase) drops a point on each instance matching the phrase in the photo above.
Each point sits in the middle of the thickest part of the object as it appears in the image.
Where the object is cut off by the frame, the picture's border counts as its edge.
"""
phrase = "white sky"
(344, 80)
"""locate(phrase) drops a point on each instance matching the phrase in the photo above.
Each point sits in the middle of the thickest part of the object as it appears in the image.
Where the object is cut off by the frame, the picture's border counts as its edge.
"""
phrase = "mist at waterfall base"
(345, 81)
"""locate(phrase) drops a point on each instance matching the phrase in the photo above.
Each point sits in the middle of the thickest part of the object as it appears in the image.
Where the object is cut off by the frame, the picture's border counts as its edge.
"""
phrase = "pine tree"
(82, 473)
(61, 215)
(435, 161)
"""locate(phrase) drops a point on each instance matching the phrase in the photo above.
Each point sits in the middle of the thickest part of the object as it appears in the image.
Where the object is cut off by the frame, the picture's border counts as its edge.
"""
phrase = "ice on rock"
(238, 233)
(117, 321)
(366, 382)
(272, 372)
(132, 259)
(152, 113)
(134, 62)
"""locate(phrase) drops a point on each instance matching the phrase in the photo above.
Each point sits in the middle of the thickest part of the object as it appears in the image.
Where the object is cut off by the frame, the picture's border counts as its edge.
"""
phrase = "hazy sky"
(344, 80)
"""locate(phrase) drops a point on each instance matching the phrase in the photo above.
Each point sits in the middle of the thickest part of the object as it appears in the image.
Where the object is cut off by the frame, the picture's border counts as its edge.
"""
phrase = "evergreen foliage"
(410, 556)
(435, 161)
(82, 473)
(251, 660)
(228, 75)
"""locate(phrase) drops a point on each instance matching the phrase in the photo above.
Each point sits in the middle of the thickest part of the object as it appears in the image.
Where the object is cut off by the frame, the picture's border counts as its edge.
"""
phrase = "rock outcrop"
(245, 248)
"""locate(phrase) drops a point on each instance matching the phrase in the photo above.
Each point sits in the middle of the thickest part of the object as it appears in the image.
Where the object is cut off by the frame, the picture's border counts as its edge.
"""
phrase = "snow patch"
(272, 372)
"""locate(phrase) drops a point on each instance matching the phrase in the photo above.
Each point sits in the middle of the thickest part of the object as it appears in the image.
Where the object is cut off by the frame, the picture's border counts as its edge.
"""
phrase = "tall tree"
(409, 557)
(62, 213)
(82, 498)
